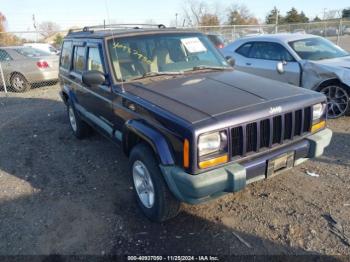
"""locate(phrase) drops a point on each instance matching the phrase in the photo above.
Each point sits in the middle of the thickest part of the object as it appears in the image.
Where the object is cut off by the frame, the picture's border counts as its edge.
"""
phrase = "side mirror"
(230, 60)
(280, 67)
(93, 78)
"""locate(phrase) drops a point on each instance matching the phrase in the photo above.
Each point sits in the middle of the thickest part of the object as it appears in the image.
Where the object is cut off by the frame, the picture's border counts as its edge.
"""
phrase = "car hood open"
(199, 96)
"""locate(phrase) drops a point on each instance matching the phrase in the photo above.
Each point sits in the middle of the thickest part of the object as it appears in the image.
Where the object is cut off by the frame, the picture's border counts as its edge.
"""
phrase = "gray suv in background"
(303, 60)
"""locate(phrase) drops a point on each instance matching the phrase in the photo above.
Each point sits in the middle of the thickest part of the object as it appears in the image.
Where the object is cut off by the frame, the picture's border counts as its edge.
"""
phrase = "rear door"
(261, 58)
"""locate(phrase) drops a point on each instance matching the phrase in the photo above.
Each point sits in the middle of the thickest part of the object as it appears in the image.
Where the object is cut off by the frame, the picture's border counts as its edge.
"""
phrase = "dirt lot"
(62, 195)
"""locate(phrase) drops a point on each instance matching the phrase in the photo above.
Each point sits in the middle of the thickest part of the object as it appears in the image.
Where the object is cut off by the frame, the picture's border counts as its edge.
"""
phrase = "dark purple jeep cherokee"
(193, 127)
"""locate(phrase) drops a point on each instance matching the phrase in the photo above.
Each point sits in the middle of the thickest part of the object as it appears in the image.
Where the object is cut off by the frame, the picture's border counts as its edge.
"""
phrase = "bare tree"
(209, 20)
(48, 28)
(332, 14)
(2, 22)
(193, 11)
(240, 15)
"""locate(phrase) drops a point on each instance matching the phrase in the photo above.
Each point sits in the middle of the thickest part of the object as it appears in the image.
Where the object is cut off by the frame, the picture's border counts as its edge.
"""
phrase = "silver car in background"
(25, 67)
(303, 60)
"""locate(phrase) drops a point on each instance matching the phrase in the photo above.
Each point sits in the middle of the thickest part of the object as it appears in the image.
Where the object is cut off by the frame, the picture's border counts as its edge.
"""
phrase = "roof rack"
(115, 26)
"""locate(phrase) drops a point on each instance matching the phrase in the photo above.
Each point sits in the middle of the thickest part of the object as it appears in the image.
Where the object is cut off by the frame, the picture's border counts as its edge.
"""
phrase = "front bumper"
(194, 189)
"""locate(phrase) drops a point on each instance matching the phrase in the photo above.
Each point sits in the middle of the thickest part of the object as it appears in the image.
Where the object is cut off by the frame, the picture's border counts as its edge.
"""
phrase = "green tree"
(293, 16)
(346, 13)
(304, 18)
(271, 17)
(58, 40)
(317, 19)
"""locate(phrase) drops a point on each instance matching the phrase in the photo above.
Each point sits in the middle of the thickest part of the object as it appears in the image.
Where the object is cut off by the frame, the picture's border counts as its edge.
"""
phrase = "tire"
(79, 127)
(337, 100)
(19, 83)
(165, 206)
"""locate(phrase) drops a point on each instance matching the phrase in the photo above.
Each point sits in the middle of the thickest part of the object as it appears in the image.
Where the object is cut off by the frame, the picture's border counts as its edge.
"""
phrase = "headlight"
(211, 143)
(318, 111)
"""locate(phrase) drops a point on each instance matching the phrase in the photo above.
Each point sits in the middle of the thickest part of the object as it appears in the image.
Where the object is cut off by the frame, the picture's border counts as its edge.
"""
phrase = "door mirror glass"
(280, 67)
(93, 78)
(230, 60)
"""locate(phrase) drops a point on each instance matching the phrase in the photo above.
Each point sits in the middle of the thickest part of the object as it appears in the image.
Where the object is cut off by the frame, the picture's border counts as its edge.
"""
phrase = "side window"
(4, 56)
(78, 59)
(270, 51)
(94, 60)
(66, 55)
(244, 49)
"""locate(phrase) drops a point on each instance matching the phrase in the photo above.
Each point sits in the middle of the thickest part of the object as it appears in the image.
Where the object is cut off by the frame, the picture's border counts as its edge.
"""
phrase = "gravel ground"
(59, 195)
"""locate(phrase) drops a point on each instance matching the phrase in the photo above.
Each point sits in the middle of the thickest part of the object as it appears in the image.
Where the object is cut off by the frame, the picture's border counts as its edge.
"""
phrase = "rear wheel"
(19, 83)
(152, 193)
(337, 100)
(79, 127)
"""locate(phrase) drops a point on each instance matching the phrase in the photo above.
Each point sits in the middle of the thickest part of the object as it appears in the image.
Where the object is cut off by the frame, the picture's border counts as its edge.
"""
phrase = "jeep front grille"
(269, 132)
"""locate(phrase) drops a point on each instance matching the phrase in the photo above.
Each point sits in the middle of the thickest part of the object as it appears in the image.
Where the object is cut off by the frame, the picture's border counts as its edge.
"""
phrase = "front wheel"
(337, 100)
(152, 193)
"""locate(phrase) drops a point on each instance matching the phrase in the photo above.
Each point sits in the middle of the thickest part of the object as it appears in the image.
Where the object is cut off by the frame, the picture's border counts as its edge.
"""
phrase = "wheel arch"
(330, 81)
(135, 132)
(12, 74)
(68, 95)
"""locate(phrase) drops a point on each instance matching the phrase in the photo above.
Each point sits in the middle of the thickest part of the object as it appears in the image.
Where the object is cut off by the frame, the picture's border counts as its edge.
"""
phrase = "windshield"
(138, 56)
(317, 49)
(31, 52)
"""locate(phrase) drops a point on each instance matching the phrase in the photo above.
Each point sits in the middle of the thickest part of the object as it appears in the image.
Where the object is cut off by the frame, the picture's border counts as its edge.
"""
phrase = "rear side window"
(66, 55)
(4, 56)
(31, 52)
(78, 59)
(244, 49)
(94, 60)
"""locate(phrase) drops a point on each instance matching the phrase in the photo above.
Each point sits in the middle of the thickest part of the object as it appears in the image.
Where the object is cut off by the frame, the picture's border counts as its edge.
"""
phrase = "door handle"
(248, 64)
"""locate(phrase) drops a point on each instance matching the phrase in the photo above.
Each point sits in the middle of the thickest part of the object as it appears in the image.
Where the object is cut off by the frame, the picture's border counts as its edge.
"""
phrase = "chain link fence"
(30, 59)
(336, 31)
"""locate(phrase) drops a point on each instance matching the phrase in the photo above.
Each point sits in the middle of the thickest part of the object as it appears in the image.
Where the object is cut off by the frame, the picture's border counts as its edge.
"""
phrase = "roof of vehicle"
(123, 30)
(14, 47)
(285, 37)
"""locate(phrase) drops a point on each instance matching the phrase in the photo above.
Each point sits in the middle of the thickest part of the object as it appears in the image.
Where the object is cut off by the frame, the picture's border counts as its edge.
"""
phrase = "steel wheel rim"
(72, 119)
(337, 101)
(18, 83)
(143, 184)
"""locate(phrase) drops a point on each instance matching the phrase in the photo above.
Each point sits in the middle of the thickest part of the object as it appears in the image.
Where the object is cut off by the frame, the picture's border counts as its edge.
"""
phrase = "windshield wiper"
(204, 67)
(151, 74)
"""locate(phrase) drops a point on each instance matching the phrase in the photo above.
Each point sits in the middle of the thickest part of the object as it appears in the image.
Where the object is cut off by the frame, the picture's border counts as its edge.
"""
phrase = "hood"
(343, 62)
(199, 96)
(315, 72)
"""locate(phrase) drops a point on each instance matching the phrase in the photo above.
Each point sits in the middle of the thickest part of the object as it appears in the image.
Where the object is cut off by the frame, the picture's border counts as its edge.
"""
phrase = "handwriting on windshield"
(133, 52)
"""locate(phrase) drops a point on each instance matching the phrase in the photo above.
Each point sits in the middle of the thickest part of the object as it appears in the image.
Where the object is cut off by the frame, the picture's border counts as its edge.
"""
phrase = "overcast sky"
(67, 13)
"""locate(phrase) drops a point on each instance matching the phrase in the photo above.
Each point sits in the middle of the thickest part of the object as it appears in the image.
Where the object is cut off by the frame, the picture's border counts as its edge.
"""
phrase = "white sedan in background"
(303, 60)
(44, 47)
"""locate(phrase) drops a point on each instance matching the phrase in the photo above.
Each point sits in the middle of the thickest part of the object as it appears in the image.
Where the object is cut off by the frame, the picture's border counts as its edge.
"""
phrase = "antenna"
(116, 52)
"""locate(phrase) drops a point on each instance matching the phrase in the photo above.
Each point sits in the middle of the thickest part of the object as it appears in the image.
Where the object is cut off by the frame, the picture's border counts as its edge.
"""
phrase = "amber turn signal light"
(213, 162)
(318, 126)
(186, 149)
